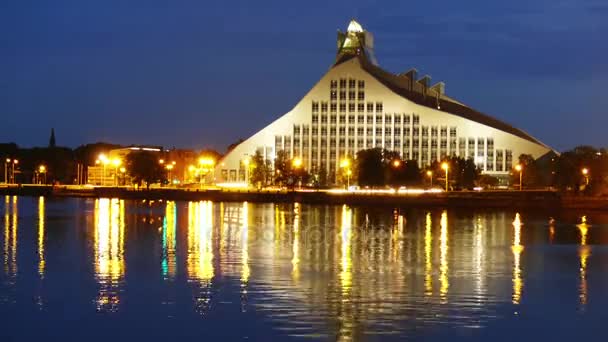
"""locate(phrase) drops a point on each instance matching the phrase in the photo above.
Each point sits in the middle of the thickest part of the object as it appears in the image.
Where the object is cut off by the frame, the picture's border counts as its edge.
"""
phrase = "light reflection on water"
(109, 252)
(331, 272)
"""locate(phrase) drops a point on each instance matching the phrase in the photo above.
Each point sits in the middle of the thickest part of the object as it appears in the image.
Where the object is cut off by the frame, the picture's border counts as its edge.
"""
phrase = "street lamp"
(170, 167)
(42, 171)
(104, 161)
(345, 164)
(520, 169)
(429, 174)
(297, 164)
(446, 167)
(207, 164)
(246, 162)
(585, 172)
(116, 162)
(123, 171)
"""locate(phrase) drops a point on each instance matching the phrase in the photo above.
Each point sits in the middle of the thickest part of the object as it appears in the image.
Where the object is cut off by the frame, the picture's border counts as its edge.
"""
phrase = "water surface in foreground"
(108, 269)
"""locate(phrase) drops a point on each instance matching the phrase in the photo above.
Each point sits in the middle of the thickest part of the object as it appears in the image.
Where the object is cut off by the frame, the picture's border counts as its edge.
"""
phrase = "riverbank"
(532, 199)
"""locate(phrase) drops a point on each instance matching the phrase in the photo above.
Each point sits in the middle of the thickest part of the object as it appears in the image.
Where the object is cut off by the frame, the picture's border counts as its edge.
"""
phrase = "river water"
(110, 269)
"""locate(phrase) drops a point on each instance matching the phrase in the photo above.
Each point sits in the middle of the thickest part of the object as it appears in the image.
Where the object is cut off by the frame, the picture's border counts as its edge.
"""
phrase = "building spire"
(52, 138)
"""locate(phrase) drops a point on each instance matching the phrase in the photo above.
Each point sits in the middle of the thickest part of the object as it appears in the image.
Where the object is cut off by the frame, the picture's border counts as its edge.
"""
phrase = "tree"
(281, 168)
(144, 166)
(462, 173)
(261, 169)
(369, 167)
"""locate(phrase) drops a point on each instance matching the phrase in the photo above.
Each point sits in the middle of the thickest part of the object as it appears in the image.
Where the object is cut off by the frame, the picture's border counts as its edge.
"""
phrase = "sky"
(202, 74)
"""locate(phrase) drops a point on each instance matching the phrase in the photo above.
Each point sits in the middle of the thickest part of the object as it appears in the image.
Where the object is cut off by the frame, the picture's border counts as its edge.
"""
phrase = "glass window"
(315, 118)
(342, 119)
(342, 83)
(324, 119)
(332, 119)
(333, 95)
(333, 107)
(370, 107)
(360, 107)
(342, 107)
(351, 83)
(333, 84)
(342, 95)
(379, 107)
(361, 84)
(315, 106)
(351, 107)
(360, 119)
(323, 107)
(361, 96)
(351, 119)
(351, 95)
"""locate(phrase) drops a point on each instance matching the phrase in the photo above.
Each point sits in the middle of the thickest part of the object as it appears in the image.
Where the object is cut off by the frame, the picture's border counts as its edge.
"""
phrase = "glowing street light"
(396, 163)
(345, 164)
(519, 168)
(247, 162)
(446, 167)
(585, 172)
(42, 171)
(429, 174)
(297, 164)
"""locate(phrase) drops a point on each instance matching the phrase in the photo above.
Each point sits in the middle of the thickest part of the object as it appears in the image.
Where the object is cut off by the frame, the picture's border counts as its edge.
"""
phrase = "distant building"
(357, 105)
(176, 161)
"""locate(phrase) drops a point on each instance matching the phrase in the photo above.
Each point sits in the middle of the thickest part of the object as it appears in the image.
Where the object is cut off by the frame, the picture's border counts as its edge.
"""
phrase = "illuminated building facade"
(357, 105)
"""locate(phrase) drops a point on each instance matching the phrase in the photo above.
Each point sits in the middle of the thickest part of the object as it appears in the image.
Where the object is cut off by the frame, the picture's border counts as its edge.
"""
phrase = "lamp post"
(170, 168)
(12, 171)
(123, 171)
(345, 165)
(520, 169)
(104, 161)
(297, 164)
(116, 162)
(206, 164)
(429, 174)
(6, 162)
(585, 172)
(446, 167)
(42, 171)
(246, 162)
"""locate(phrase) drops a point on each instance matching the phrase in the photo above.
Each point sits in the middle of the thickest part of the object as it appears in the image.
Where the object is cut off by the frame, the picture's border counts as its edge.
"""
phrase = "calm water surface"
(109, 269)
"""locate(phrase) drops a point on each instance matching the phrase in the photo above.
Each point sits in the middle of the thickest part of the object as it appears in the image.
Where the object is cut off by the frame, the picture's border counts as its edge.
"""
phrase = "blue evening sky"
(197, 74)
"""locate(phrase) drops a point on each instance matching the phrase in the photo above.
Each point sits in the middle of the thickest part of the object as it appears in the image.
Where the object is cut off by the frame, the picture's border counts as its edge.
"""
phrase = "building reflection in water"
(199, 263)
(245, 270)
(41, 236)
(11, 220)
(109, 251)
(584, 253)
(444, 283)
(168, 264)
(517, 249)
(346, 307)
(295, 260)
(428, 257)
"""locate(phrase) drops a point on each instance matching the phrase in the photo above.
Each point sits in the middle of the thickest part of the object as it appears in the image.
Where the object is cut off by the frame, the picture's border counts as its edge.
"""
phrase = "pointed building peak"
(354, 26)
(52, 138)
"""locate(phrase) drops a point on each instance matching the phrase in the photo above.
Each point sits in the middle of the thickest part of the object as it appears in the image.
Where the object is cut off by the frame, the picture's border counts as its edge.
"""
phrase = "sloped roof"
(402, 86)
